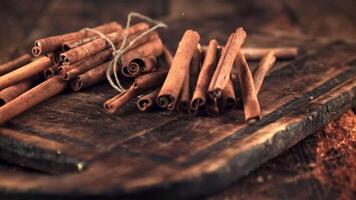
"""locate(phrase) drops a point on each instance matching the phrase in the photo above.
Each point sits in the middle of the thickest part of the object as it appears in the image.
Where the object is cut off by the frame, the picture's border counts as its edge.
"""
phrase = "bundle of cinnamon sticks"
(209, 79)
(77, 60)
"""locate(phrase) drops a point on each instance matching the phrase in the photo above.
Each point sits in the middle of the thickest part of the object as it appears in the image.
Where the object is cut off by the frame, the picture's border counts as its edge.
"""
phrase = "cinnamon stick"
(68, 72)
(141, 85)
(253, 53)
(100, 44)
(89, 78)
(263, 67)
(180, 66)
(45, 45)
(55, 57)
(151, 48)
(195, 66)
(11, 92)
(205, 75)
(147, 101)
(25, 72)
(50, 72)
(248, 92)
(32, 97)
(184, 96)
(139, 66)
(227, 58)
(228, 98)
(257, 53)
(212, 107)
(14, 64)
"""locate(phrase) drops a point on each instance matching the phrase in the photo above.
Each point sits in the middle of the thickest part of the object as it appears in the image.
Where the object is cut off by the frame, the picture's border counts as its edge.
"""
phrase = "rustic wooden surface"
(180, 153)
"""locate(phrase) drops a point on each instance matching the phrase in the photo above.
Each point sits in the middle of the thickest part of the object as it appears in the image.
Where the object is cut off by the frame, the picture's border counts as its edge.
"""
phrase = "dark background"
(298, 173)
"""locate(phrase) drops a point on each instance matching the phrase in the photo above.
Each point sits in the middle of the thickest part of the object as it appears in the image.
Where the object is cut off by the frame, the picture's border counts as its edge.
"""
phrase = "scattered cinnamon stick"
(184, 96)
(147, 101)
(248, 92)
(141, 85)
(228, 98)
(32, 97)
(195, 66)
(263, 67)
(100, 44)
(11, 92)
(14, 64)
(257, 53)
(227, 58)
(205, 75)
(46, 45)
(25, 72)
(281, 53)
(180, 66)
(68, 72)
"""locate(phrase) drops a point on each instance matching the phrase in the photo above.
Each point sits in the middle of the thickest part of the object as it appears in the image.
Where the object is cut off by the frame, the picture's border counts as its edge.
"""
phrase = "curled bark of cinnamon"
(139, 66)
(205, 75)
(32, 97)
(100, 44)
(50, 72)
(141, 85)
(55, 57)
(263, 67)
(223, 70)
(25, 72)
(180, 66)
(248, 92)
(212, 107)
(14, 64)
(151, 48)
(195, 66)
(46, 45)
(147, 101)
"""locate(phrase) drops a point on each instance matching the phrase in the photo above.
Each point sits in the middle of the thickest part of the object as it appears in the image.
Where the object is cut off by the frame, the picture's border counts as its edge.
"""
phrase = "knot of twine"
(125, 45)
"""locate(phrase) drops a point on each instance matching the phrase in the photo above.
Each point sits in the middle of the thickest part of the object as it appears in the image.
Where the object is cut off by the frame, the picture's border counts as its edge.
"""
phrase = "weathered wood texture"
(162, 154)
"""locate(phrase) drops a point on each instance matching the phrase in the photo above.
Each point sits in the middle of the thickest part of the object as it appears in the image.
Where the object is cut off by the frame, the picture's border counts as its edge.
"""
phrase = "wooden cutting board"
(89, 153)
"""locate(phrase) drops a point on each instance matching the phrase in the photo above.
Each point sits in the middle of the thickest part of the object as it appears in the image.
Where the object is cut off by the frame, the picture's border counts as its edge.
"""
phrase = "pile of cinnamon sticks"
(77, 60)
(211, 79)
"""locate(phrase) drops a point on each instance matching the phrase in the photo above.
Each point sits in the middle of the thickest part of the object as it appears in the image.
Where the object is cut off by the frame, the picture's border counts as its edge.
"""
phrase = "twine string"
(125, 46)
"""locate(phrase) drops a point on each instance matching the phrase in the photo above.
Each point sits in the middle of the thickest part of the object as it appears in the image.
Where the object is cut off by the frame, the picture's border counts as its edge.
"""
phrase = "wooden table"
(168, 155)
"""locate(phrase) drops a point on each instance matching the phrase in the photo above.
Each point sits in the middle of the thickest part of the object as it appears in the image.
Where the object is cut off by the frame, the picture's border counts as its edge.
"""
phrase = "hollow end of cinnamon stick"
(166, 101)
(229, 104)
(64, 59)
(183, 107)
(2, 102)
(109, 107)
(144, 104)
(76, 84)
(36, 51)
(215, 94)
(196, 103)
(212, 109)
(48, 73)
